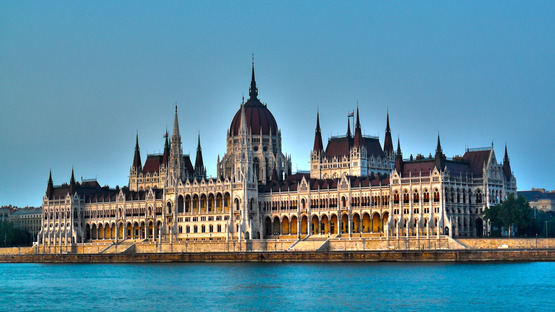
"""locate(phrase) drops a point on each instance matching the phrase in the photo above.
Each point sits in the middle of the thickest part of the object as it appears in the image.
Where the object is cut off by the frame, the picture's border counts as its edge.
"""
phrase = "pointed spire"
(243, 126)
(253, 91)
(175, 125)
(439, 150)
(137, 157)
(358, 131)
(50, 186)
(399, 158)
(72, 185)
(388, 142)
(348, 127)
(439, 157)
(166, 156)
(199, 164)
(318, 146)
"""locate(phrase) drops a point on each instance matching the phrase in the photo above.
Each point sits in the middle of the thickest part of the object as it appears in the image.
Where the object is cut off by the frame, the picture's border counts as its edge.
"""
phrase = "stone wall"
(510, 243)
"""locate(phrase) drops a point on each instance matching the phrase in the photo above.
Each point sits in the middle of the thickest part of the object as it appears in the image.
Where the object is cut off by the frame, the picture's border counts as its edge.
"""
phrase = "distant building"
(354, 187)
(28, 219)
(540, 199)
(5, 213)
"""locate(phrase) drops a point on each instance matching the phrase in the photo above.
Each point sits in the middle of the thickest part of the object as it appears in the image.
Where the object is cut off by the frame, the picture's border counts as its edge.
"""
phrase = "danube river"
(278, 287)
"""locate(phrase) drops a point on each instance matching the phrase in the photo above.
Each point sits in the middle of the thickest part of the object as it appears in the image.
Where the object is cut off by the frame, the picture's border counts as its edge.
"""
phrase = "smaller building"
(5, 213)
(28, 219)
(540, 199)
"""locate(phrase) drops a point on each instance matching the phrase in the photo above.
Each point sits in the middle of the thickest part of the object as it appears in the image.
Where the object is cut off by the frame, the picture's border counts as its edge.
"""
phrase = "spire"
(439, 157)
(388, 142)
(175, 125)
(253, 91)
(438, 147)
(399, 158)
(199, 164)
(50, 186)
(318, 146)
(166, 156)
(358, 131)
(348, 127)
(243, 127)
(507, 165)
(72, 186)
(137, 157)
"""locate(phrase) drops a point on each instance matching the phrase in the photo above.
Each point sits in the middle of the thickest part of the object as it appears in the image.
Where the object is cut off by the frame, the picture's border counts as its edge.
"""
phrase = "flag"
(351, 114)
(165, 134)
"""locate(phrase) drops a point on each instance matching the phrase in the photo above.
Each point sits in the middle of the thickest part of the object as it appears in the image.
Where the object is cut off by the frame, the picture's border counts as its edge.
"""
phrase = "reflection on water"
(278, 287)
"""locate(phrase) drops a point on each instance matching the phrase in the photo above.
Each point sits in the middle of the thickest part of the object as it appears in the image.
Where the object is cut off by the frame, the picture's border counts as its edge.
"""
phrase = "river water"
(278, 287)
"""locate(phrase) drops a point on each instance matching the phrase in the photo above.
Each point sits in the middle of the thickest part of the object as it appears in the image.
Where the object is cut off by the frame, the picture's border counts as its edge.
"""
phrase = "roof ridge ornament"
(253, 91)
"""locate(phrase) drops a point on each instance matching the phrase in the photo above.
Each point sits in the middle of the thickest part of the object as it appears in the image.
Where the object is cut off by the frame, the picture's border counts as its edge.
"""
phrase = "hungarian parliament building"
(354, 187)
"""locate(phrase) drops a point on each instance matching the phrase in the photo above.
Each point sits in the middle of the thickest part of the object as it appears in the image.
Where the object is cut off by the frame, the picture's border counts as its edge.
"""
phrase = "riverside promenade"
(309, 249)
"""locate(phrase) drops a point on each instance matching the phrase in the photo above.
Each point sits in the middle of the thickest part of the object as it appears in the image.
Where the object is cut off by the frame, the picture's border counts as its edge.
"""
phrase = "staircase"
(310, 243)
(125, 246)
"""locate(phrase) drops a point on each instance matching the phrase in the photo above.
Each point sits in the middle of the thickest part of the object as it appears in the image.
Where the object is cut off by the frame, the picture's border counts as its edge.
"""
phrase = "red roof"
(258, 118)
(341, 146)
(476, 159)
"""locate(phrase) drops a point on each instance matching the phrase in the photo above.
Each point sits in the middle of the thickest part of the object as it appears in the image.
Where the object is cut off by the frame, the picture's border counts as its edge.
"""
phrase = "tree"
(11, 236)
(513, 214)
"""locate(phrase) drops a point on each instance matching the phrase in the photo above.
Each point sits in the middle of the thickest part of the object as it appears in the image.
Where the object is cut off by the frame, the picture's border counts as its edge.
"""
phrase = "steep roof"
(341, 146)
(476, 160)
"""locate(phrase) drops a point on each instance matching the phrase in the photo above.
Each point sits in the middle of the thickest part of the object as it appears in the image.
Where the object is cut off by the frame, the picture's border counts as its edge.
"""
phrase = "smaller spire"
(72, 184)
(137, 157)
(348, 127)
(318, 146)
(166, 156)
(399, 158)
(358, 131)
(253, 91)
(388, 142)
(199, 163)
(439, 150)
(175, 134)
(507, 172)
(50, 186)
(399, 153)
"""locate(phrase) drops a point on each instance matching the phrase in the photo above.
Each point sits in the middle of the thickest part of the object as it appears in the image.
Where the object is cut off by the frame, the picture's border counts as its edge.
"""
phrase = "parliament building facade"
(354, 187)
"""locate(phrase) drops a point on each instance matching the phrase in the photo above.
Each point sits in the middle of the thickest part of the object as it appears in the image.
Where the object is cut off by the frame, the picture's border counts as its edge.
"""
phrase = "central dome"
(258, 116)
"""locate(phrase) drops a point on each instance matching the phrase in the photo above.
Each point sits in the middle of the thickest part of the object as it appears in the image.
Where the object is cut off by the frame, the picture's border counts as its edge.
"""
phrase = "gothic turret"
(166, 155)
(253, 90)
(318, 146)
(137, 166)
(399, 158)
(50, 186)
(72, 184)
(388, 142)
(175, 165)
(358, 132)
(439, 159)
(200, 170)
(349, 129)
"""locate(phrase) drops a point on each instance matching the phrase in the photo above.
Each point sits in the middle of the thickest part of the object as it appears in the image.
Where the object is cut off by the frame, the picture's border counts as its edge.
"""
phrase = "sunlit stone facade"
(354, 187)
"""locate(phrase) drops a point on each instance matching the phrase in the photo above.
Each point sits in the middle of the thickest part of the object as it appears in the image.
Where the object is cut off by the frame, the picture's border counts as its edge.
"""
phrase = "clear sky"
(78, 79)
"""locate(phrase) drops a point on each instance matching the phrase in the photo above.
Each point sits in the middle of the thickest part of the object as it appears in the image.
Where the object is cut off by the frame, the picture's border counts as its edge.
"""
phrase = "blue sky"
(79, 79)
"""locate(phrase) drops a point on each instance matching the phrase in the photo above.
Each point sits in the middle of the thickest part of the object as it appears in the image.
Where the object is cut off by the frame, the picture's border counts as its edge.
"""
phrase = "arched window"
(426, 196)
(436, 196)
(396, 197)
(406, 197)
(415, 197)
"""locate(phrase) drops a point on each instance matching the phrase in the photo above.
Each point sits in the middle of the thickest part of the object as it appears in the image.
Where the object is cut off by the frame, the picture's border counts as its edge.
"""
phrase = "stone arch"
(226, 201)
(294, 222)
(285, 225)
(276, 226)
(479, 225)
(356, 223)
(211, 202)
(180, 208)
(314, 224)
(324, 224)
(188, 203)
(268, 226)
(236, 204)
(376, 223)
(196, 203)
(333, 224)
(304, 224)
(87, 232)
(344, 223)
(366, 223)
(203, 201)
(169, 207)
(100, 231)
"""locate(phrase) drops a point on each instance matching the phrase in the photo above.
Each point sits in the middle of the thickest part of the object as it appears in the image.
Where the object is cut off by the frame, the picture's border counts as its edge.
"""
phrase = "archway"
(333, 225)
(366, 226)
(285, 226)
(314, 225)
(324, 225)
(276, 226)
(356, 223)
(180, 204)
(294, 225)
(268, 226)
(100, 231)
(385, 220)
(344, 224)
(87, 232)
(376, 223)
(304, 225)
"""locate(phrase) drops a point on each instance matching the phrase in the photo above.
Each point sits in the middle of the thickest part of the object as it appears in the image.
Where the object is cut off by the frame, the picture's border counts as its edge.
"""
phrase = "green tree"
(12, 237)
(513, 214)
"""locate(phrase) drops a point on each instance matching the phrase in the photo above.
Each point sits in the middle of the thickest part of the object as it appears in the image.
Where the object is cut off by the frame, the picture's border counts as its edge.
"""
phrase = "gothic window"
(396, 197)
(405, 197)
(436, 196)
(415, 197)
(426, 196)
